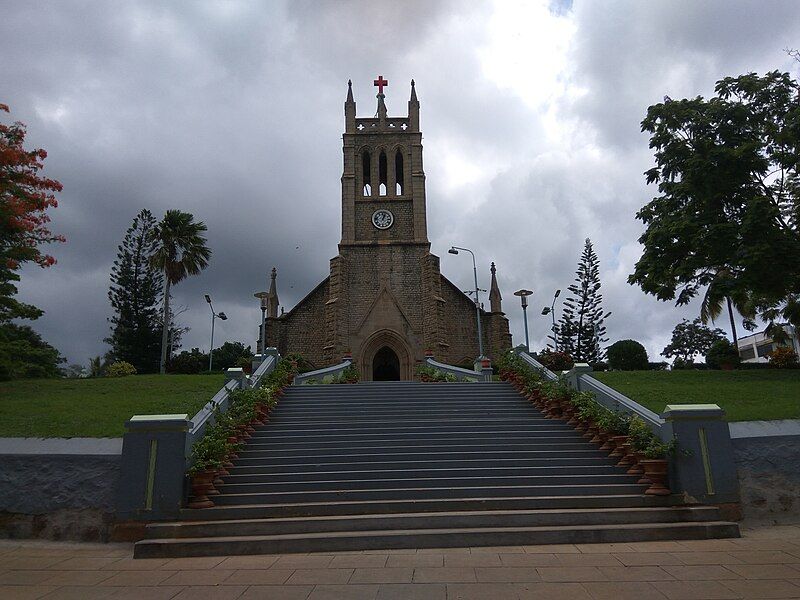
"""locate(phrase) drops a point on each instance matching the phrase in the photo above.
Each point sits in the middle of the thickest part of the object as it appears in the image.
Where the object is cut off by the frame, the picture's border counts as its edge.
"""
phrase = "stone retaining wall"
(58, 488)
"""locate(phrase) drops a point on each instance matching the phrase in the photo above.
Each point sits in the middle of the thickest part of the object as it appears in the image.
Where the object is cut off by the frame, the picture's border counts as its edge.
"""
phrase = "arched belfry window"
(382, 173)
(366, 173)
(398, 172)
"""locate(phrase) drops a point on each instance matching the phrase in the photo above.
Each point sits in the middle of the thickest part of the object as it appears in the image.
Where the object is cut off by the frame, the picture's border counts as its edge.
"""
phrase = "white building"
(755, 348)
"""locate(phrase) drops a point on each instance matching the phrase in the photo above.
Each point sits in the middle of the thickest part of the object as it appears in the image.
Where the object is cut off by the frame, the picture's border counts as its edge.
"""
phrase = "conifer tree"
(135, 295)
(580, 330)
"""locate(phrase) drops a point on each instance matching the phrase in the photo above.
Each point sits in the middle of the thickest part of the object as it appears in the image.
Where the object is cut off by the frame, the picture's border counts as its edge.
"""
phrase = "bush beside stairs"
(421, 465)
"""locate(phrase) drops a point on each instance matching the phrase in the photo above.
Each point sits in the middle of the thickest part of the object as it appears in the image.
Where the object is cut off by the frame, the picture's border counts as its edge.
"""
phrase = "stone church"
(385, 300)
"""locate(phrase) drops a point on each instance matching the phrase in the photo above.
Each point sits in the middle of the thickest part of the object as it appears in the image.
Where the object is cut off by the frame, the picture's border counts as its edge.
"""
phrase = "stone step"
(430, 538)
(247, 457)
(427, 445)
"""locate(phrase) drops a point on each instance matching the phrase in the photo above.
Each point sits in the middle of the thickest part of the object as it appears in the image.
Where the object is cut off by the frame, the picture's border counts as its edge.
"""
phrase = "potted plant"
(655, 466)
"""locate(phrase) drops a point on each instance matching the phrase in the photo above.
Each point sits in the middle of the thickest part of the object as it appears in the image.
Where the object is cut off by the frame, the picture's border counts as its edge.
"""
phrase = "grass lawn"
(97, 407)
(744, 395)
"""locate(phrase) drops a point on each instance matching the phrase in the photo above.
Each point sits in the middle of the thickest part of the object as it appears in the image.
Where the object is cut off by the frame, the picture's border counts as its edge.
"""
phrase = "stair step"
(430, 538)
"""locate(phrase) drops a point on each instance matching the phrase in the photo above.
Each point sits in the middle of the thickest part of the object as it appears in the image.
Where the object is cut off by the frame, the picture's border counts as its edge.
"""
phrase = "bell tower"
(383, 183)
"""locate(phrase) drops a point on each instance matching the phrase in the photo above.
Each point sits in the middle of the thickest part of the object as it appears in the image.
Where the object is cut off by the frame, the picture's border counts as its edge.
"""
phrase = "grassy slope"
(97, 407)
(745, 395)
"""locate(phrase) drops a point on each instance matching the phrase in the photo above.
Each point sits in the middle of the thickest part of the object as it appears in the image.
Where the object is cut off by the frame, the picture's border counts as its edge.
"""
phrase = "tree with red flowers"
(25, 196)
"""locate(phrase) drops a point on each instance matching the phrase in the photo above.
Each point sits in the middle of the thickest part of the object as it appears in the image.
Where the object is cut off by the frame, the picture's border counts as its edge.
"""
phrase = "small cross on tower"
(380, 83)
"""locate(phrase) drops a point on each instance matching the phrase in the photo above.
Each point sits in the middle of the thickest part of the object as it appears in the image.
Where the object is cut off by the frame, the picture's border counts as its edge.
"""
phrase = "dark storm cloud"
(233, 111)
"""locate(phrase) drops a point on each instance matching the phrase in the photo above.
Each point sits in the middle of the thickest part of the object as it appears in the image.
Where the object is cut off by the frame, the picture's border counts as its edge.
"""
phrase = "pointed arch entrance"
(385, 356)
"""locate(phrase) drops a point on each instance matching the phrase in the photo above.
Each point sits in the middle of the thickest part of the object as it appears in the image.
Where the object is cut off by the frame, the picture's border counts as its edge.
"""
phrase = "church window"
(398, 172)
(366, 172)
(382, 173)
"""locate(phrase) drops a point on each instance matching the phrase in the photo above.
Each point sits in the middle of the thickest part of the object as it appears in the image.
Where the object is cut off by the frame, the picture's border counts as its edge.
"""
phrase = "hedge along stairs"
(421, 465)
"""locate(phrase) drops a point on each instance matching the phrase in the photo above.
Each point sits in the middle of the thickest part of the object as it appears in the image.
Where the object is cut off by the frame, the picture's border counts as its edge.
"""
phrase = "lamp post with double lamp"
(214, 315)
(523, 296)
(454, 250)
(551, 310)
(264, 298)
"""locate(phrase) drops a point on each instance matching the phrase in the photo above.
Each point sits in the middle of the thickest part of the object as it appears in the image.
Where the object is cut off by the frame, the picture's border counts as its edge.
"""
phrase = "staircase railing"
(703, 468)
(156, 449)
(320, 374)
(461, 374)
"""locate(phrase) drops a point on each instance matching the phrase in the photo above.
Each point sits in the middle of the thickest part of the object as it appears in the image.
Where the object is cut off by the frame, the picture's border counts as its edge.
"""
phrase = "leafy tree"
(722, 354)
(23, 353)
(580, 330)
(727, 212)
(230, 354)
(189, 363)
(25, 197)
(627, 355)
(135, 295)
(690, 339)
(180, 251)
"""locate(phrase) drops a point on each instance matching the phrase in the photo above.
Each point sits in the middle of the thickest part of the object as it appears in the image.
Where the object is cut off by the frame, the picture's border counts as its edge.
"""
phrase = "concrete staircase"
(414, 465)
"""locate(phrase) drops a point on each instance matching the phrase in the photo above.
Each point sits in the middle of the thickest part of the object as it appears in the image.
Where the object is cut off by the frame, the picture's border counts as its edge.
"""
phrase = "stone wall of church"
(401, 229)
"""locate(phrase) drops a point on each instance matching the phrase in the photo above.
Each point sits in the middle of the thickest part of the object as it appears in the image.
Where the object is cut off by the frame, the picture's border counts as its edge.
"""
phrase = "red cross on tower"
(380, 83)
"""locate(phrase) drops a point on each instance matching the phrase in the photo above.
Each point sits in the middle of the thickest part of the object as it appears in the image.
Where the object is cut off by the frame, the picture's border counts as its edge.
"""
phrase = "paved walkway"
(765, 563)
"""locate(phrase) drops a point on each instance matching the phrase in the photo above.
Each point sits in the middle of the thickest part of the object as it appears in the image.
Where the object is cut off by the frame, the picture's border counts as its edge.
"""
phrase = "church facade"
(385, 301)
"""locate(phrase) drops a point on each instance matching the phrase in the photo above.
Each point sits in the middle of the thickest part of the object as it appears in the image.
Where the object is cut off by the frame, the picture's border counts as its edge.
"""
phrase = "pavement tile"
(314, 561)
(764, 571)
(700, 572)
(137, 578)
(498, 549)
(444, 575)
(154, 592)
(482, 591)
(30, 562)
(763, 588)
(77, 577)
(709, 545)
(571, 574)
(80, 592)
(630, 590)
(696, 590)
(756, 544)
(209, 592)
(646, 559)
(587, 560)
(393, 551)
(552, 591)
(319, 576)
(344, 592)
(273, 592)
(24, 577)
(552, 549)
(765, 557)
(657, 547)
(473, 560)
(443, 551)
(259, 577)
(193, 562)
(707, 558)
(138, 564)
(412, 591)
(28, 592)
(639, 573)
(383, 575)
(415, 560)
(604, 548)
(247, 562)
(86, 563)
(529, 560)
(363, 561)
(198, 578)
(507, 574)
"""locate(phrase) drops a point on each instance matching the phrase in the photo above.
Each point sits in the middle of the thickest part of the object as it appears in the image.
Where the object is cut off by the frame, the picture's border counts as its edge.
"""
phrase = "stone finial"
(495, 299)
(272, 311)
(350, 91)
(413, 92)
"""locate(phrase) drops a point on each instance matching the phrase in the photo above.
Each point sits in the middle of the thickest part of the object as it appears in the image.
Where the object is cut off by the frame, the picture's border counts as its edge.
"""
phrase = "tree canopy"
(691, 339)
(729, 198)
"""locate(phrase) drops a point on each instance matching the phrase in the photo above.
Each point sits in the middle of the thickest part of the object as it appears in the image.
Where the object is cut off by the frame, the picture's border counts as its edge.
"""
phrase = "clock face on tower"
(382, 218)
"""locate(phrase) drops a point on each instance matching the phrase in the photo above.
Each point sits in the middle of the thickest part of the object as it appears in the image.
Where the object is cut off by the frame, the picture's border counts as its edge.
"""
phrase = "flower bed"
(626, 437)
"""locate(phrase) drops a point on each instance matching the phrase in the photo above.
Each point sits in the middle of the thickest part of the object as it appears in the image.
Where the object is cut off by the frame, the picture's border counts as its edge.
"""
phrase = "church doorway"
(386, 365)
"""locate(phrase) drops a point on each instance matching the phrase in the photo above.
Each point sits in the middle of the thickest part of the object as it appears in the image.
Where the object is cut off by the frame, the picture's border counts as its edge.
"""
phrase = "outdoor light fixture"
(523, 297)
(454, 250)
(264, 301)
(223, 317)
(551, 310)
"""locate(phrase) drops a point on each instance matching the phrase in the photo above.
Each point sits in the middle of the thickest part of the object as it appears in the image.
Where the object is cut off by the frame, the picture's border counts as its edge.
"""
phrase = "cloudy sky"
(233, 111)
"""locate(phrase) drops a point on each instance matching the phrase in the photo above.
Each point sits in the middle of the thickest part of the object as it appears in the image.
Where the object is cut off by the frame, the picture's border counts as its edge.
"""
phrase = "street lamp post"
(214, 315)
(523, 296)
(454, 250)
(551, 310)
(264, 298)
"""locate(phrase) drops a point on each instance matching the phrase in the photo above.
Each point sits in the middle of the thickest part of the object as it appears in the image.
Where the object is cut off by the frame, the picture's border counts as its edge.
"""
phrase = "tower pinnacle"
(272, 311)
(495, 299)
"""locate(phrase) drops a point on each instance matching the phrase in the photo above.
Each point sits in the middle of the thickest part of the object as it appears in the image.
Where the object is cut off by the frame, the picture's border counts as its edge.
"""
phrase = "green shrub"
(556, 361)
(783, 357)
(627, 355)
(189, 363)
(722, 355)
(432, 374)
(120, 369)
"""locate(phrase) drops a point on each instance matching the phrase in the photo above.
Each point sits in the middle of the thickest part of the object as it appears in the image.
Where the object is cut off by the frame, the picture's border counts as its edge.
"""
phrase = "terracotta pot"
(201, 483)
(643, 480)
(605, 438)
(591, 431)
(618, 441)
(636, 468)
(625, 460)
(656, 471)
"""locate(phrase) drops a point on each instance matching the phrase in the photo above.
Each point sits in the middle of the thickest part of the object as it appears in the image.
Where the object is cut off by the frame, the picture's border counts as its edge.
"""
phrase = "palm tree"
(180, 251)
(721, 290)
